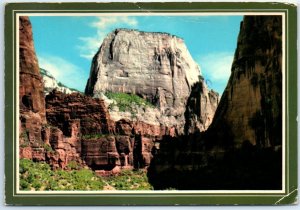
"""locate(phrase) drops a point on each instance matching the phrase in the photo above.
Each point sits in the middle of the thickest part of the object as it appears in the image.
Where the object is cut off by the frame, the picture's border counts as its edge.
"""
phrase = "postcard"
(150, 103)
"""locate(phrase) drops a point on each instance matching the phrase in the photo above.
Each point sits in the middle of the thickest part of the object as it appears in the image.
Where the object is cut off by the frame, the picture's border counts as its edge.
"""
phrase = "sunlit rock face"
(155, 66)
(50, 83)
(31, 96)
(38, 140)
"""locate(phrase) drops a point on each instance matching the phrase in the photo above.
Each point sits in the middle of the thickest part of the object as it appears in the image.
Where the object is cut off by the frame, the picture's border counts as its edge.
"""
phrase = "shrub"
(48, 148)
(73, 165)
(130, 180)
(39, 176)
(124, 101)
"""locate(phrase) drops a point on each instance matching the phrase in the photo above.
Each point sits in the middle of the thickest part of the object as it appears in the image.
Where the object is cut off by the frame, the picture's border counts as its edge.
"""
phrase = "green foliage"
(48, 148)
(25, 138)
(125, 101)
(62, 85)
(39, 176)
(73, 165)
(130, 180)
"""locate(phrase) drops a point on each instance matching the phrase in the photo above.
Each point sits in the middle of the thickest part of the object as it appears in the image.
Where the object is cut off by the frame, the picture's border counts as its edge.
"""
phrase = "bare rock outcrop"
(50, 83)
(155, 66)
(201, 106)
(102, 143)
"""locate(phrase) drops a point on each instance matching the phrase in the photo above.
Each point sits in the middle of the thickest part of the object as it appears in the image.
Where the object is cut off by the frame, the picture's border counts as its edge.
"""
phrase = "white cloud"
(216, 69)
(217, 66)
(105, 22)
(103, 26)
(63, 71)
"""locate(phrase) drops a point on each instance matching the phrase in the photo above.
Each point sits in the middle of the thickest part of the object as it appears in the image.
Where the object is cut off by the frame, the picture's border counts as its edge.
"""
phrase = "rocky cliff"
(155, 66)
(251, 105)
(50, 83)
(31, 96)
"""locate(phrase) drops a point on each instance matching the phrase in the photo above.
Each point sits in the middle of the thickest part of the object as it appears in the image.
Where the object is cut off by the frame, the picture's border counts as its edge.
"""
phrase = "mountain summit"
(155, 66)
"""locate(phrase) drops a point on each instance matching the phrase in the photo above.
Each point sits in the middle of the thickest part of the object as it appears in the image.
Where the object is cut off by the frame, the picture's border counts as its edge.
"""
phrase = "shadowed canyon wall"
(242, 147)
(251, 105)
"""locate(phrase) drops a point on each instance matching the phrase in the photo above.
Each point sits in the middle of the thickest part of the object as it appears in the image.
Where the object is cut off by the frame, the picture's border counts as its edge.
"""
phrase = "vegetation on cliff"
(125, 101)
(38, 176)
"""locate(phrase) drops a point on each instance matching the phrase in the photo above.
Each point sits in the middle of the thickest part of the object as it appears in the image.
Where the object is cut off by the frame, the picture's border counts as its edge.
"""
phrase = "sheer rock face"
(251, 105)
(155, 66)
(31, 96)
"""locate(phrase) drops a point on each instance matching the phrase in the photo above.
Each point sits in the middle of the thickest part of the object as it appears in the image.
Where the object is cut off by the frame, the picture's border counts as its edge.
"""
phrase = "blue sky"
(65, 45)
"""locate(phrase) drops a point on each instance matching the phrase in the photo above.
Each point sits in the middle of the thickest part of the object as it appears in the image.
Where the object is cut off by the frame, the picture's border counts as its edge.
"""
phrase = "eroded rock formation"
(31, 96)
(93, 115)
(103, 143)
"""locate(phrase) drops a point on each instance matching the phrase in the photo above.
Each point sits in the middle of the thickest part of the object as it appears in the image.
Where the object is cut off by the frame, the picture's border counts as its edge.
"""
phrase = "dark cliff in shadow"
(241, 150)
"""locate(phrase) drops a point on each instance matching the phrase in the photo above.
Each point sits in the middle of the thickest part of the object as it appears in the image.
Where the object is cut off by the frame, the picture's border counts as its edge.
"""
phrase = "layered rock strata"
(63, 108)
(103, 143)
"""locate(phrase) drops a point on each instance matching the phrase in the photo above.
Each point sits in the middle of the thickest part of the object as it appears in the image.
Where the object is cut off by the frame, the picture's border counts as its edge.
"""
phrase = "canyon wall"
(31, 96)
(38, 140)
(251, 105)
(241, 150)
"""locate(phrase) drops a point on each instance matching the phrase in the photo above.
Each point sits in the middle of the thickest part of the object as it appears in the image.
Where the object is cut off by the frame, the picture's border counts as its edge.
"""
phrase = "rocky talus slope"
(242, 147)
(155, 66)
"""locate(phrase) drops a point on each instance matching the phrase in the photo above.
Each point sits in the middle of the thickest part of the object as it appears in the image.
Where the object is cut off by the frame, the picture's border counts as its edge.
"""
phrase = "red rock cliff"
(31, 96)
